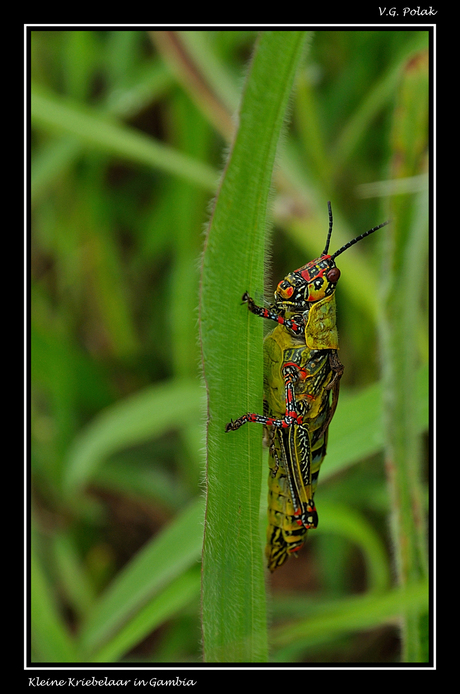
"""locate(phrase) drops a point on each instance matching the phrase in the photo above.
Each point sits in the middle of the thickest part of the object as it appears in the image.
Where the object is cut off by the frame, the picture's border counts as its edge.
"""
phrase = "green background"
(130, 132)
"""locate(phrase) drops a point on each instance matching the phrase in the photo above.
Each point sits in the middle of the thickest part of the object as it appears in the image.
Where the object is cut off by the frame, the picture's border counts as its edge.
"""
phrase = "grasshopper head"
(310, 283)
(315, 280)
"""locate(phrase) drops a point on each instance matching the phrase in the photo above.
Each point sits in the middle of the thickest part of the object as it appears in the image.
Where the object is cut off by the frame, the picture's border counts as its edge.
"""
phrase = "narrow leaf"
(234, 620)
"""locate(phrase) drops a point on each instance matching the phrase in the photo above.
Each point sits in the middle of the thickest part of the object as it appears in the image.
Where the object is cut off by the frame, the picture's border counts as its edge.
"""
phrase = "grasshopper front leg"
(296, 326)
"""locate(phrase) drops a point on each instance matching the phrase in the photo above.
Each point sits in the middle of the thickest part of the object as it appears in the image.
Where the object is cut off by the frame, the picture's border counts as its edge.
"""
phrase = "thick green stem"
(233, 593)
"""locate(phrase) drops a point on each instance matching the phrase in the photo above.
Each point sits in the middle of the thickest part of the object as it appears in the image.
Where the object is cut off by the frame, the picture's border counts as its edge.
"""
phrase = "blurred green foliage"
(129, 136)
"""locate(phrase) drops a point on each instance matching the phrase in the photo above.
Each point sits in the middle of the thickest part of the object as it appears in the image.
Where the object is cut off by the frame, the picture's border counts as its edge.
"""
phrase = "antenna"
(330, 229)
(358, 238)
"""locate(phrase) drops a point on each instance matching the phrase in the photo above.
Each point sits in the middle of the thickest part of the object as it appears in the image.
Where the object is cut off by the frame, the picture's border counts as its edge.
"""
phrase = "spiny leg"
(291, 373)
(337, 369)
(300, 446)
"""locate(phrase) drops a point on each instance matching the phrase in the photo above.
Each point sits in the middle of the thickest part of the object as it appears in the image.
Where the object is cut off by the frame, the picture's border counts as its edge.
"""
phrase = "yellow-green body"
(311, 353)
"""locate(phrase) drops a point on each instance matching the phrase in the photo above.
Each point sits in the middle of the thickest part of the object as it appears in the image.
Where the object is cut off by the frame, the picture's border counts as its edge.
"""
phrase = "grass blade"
(103, 132)
(151, 571)
(234, 620)
(407, 246)
(138, 418)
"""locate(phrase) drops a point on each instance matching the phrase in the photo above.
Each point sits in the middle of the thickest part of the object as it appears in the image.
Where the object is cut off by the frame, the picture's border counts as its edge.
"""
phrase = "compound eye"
(285, 289)
(333, 275)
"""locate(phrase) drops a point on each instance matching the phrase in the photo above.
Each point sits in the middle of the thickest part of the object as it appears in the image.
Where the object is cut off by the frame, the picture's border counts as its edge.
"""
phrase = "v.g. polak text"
(409, 11)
